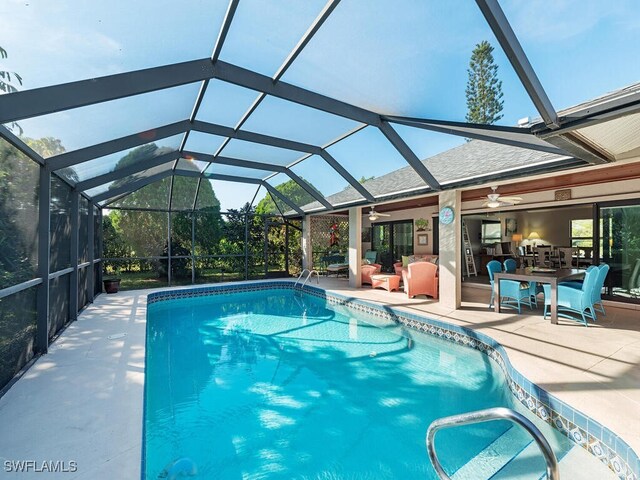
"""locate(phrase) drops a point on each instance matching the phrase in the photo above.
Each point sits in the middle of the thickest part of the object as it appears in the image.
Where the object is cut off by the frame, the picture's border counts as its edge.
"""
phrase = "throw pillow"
(405, 261)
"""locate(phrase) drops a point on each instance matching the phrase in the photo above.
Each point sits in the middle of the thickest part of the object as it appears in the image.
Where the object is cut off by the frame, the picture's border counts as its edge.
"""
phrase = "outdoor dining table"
(552, 276)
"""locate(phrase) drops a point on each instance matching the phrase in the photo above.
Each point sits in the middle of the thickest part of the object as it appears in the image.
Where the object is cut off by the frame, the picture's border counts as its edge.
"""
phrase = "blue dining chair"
(572, 300)
(510, 266)
(512, 293)
(596, 298)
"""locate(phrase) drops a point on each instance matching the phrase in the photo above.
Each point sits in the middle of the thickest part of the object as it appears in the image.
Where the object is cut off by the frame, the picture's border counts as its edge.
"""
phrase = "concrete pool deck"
(83, 401)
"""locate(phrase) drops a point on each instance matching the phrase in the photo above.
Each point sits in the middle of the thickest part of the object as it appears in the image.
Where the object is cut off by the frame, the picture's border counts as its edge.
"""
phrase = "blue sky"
(407, 57)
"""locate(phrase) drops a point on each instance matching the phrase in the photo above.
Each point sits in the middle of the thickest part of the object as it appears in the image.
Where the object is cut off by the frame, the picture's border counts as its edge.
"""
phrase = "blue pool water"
(268, 385)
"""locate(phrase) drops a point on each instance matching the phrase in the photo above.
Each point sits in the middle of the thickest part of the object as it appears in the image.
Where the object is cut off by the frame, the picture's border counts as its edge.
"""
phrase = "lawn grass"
(149, 279)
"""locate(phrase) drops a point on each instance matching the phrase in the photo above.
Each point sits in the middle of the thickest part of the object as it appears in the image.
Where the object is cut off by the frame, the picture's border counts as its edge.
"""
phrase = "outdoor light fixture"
(493, 204)
(373, 218)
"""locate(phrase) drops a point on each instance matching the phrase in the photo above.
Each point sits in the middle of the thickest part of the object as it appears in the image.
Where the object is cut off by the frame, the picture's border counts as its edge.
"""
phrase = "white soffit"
(620, 136)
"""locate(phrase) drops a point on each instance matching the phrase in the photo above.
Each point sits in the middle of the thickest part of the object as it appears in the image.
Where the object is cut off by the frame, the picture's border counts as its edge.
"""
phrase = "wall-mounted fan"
(495, 200)
(373, 215)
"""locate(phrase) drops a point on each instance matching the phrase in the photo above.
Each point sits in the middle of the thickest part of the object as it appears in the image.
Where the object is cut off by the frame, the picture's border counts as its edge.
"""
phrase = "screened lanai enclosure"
(187, 142)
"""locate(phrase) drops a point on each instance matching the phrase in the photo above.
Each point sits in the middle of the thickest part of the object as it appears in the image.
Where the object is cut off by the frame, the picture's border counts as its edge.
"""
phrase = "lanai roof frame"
(75, 94)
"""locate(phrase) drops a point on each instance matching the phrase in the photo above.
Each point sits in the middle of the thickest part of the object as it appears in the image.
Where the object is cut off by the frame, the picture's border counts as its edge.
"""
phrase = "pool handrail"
(479, 416)
(309, 273)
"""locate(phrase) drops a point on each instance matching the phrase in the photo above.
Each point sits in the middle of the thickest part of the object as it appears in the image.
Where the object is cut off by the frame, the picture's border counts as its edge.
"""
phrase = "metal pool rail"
(480, 416)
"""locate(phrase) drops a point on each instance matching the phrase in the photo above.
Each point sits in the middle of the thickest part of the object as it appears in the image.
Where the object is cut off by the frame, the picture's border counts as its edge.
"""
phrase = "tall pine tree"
(484, 90)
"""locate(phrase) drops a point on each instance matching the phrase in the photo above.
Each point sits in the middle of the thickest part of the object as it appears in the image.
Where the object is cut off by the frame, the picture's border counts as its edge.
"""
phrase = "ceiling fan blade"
(511, 199)
(383, 214)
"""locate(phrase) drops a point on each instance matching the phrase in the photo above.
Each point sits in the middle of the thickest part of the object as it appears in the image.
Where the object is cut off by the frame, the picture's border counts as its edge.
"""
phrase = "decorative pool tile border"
(580, 429)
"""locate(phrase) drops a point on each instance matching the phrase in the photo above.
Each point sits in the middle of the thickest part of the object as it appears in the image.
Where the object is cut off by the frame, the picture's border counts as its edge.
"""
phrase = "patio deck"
(92, 404)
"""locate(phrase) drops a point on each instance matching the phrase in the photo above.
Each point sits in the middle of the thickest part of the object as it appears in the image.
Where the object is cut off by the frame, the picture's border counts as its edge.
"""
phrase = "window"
(491, 232)
(582, 233)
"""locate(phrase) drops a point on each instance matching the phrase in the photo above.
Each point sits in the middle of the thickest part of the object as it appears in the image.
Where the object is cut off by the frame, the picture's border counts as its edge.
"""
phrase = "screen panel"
(59, 132)
(368, 155)
(578, 40)
(59, 297)
(271, 28)
(292, 191)
(224, 103)
(203, 142)
(83, 294)
(184, 192)
(83, 230)
(280, 118)
(219, 169)
(181, 228)
(132, 179)
(60, 226)
(260, 153)
(323, 178)
(70, 41)
(18, 209)
(207, 196)
(226, 195)
(17, 322)
(118, 160)
(154, 195)
(190, 164)
(408, 60)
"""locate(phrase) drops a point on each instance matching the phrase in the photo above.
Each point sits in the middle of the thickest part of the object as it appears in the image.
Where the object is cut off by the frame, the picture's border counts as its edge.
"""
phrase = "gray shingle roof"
(472, 159)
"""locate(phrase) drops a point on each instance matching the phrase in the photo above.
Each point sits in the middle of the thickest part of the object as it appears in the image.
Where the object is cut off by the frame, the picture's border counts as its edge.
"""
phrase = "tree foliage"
(46, 146)
(18, 209)
(147, 231)
(484, 89)
(290, 190)
(8, 82)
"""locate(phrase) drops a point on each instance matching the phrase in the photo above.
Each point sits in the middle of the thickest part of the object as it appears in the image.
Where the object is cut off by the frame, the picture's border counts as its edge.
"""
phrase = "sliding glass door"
(392, 240)
(619, 242)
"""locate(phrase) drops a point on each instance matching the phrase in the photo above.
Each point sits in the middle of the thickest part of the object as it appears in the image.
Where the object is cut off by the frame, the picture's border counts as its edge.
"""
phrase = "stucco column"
(355, 246)
(307, 253)
(451, 252)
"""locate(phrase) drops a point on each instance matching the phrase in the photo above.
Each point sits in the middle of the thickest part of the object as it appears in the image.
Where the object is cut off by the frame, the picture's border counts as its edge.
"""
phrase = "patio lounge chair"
(421, 278)
(513, 294)
(574, 301)
(337, 265)
(371, 256)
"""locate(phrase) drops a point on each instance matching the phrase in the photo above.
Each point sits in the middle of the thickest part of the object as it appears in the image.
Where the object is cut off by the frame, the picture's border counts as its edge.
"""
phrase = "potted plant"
(422, 224)
(112, 282)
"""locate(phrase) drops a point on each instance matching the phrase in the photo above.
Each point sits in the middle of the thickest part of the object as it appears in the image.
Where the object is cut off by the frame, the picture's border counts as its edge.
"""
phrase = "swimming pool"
(269, 384)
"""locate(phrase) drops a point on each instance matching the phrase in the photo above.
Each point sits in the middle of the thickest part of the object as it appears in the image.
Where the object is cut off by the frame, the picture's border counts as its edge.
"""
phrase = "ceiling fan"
(494, 200)
(373, 215)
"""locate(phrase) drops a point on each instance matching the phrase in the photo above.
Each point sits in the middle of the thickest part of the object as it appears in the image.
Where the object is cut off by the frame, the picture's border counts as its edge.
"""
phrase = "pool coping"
(583, 431)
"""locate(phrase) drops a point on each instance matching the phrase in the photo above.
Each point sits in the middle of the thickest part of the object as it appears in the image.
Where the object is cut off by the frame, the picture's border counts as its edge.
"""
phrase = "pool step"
(576, 464)
(496, 456)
